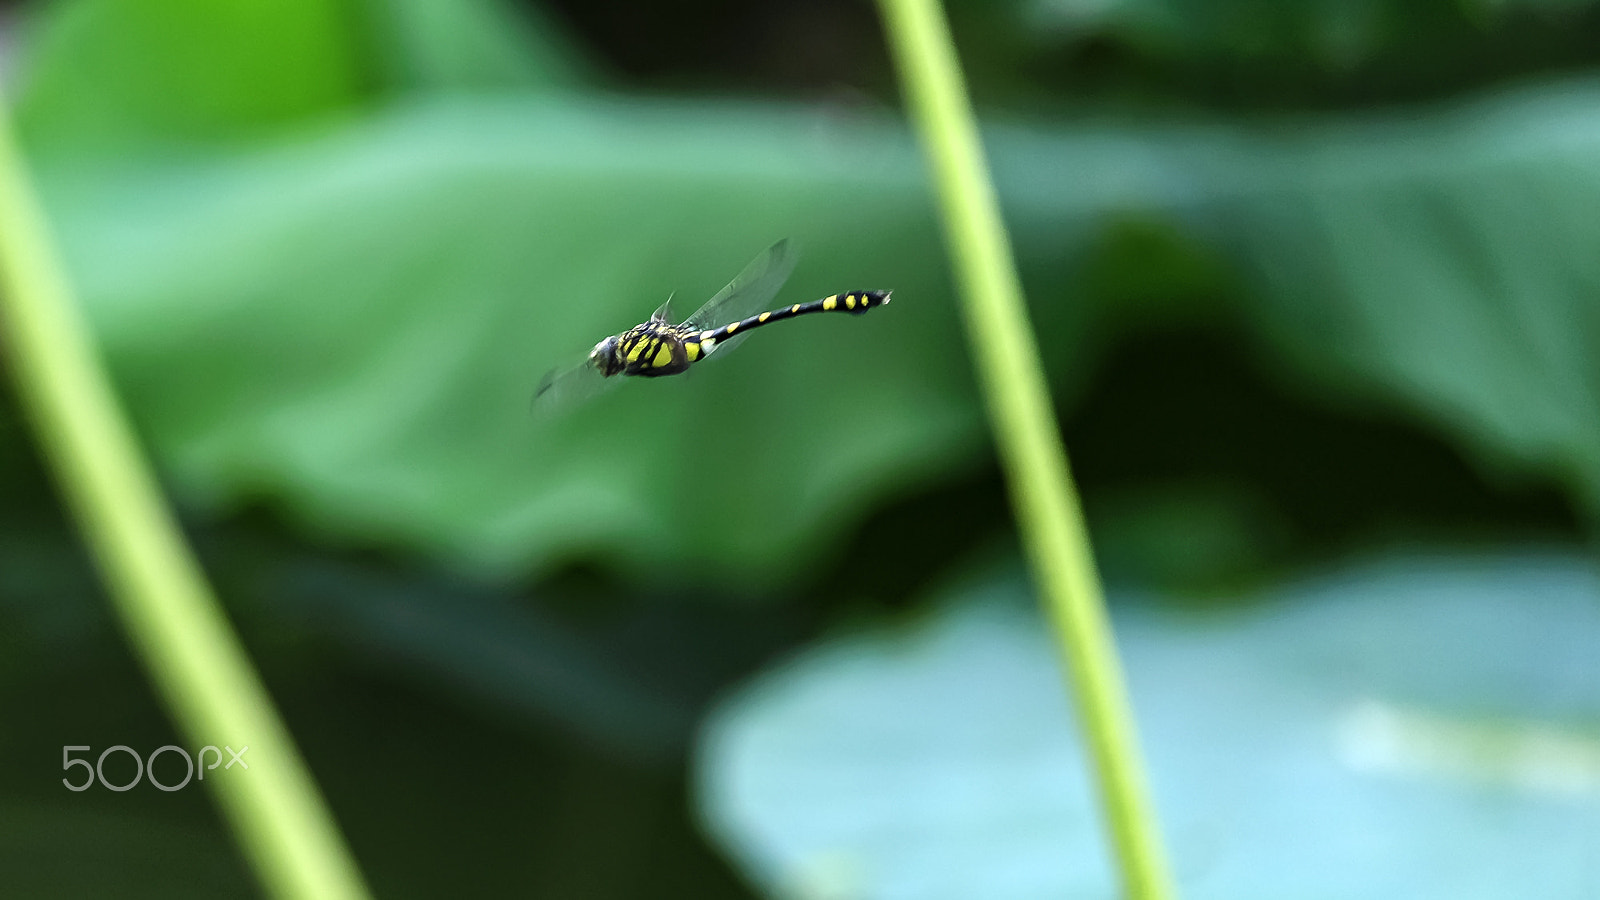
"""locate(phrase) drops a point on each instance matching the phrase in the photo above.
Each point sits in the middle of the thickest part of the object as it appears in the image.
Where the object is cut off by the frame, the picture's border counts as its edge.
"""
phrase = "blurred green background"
(1317, 284)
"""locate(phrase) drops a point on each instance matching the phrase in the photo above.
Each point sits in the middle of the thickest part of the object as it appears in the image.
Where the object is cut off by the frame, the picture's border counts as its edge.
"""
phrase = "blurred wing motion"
(565, 388)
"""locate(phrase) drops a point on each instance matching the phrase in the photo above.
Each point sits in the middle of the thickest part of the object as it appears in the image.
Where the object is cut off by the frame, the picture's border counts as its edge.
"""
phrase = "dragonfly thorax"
(651, 349)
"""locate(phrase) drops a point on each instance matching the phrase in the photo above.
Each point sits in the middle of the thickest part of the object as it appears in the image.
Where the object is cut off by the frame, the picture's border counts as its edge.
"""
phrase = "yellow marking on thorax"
(637, 350)
(830, 303)
(663, 355)
(692, 348)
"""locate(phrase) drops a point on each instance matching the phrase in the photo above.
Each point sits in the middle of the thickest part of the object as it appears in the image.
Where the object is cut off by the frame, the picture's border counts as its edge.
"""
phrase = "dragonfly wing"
(663, 313)
(562, 389)
(726, 345)
(751, 292)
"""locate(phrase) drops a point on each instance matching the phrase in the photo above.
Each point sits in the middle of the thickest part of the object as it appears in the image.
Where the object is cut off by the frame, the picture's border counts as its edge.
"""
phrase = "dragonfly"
(659, 347)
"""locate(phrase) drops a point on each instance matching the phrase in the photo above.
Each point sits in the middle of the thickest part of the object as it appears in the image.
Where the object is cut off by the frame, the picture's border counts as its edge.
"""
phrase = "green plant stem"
(176, 627)
(1013, 382)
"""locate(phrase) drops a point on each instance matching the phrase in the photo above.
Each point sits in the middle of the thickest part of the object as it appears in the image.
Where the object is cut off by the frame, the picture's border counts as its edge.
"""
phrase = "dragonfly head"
(604, 356)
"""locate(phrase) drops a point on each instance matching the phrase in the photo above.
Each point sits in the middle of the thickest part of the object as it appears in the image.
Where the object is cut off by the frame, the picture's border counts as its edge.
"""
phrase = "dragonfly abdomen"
(853, 302)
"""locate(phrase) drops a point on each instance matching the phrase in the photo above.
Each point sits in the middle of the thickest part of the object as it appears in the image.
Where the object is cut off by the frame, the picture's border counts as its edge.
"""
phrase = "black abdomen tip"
(859, 302)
